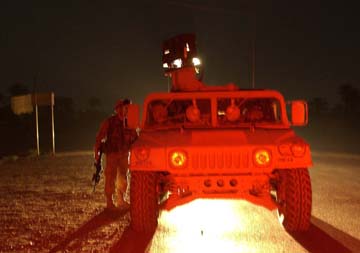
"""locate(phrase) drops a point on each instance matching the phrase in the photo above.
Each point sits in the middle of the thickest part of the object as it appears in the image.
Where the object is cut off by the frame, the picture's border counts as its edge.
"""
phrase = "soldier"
(116, 140)
(159, 113)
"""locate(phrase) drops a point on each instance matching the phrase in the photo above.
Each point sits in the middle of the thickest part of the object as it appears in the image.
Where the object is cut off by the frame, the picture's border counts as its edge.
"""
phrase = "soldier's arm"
(130, 136)
(134, 136)
(100, 138)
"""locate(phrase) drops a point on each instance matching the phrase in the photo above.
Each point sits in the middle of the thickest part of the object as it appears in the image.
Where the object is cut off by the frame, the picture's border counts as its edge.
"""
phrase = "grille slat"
(203, 161)
(212, 160)
(236, 160)
(220, 160)
(195, 161)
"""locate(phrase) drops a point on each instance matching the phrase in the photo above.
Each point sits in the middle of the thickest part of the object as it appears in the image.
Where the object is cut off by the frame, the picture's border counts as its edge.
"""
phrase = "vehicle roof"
(214, 94)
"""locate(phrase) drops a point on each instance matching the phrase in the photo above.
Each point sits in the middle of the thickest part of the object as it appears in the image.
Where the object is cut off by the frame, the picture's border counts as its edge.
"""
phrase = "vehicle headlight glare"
(196, 61)
(178, 159)
(262, 157)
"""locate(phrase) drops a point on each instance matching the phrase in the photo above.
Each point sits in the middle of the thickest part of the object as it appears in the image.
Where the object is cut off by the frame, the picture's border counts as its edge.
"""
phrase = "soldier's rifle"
(98, 167)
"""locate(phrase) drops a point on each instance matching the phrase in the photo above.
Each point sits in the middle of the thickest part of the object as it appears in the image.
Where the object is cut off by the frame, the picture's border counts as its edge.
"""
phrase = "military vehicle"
(200, 141)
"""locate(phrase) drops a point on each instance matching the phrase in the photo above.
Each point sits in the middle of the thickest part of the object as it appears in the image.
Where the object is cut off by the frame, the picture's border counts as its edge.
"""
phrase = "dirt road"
(47, 205)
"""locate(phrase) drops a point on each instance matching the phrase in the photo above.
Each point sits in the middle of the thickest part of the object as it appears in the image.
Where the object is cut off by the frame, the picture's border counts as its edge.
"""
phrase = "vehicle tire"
(293, 197)
(143, 201)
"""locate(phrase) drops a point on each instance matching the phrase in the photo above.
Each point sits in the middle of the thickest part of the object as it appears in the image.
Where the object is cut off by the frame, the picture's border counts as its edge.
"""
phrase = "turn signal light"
(262, 157)
(284, 149)
(142, 153)
(298, 149)
(178, 159)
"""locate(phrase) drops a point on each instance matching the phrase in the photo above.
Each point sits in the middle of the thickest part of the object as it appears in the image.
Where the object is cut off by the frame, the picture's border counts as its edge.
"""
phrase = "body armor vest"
(115, 139)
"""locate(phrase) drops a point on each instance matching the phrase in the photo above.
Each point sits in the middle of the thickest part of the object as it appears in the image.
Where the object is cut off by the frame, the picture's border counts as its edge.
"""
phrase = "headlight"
(178, 159)
(196, 61)
(262, 157)
(177, 63)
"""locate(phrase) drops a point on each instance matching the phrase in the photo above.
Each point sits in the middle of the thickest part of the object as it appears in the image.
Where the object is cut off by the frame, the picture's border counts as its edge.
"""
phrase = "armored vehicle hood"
(170, 138)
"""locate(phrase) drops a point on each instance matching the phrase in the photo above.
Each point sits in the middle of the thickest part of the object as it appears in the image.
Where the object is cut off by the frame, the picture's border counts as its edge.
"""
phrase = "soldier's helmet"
(122, 102)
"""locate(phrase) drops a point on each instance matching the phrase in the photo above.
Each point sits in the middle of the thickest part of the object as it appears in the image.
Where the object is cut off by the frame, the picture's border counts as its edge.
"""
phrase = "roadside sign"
(43, 99)
(22, 104)
(26, 103)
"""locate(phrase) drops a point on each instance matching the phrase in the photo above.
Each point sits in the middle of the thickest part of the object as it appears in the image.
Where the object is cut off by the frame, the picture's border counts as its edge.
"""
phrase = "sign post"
(26, 103)
(53, 126)
(44, 99)
(37, 128)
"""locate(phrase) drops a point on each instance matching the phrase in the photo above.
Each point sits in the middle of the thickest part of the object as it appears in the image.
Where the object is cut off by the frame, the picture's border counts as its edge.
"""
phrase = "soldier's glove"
(96, 178)
(96, 175)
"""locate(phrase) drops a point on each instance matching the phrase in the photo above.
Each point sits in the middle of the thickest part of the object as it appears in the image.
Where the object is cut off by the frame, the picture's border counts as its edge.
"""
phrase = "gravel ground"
(47, 205)
(46, 201)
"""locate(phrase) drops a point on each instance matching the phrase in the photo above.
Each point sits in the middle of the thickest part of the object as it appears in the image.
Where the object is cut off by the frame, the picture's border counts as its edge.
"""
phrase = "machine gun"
(98, 168)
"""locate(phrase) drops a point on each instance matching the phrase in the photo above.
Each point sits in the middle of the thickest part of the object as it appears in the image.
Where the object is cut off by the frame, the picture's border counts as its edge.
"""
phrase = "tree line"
(349, 106)
(349, 101)
(76, 129)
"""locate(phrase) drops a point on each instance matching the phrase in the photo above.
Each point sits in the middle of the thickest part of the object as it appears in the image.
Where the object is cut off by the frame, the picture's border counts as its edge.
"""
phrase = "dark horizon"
(112, 51)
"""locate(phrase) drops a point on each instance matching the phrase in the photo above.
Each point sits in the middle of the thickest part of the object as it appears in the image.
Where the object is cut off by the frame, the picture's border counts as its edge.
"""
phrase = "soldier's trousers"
(115, 174)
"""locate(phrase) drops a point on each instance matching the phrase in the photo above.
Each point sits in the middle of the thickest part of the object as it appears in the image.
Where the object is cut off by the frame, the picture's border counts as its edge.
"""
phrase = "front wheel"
(293, 199)
(143, 201)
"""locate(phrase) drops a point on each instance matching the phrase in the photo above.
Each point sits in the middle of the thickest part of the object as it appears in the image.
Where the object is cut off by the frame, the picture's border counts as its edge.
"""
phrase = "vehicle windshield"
(233, 112)
(192, 113)
(227, 112)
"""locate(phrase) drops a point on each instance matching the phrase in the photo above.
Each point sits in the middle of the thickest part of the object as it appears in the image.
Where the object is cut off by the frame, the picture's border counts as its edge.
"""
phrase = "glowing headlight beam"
(177, 63)
(196, 61)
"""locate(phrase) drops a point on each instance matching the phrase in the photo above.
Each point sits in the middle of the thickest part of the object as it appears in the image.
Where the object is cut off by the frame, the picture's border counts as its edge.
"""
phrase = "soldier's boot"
(121, 193)
(121, 203)
(109, 202)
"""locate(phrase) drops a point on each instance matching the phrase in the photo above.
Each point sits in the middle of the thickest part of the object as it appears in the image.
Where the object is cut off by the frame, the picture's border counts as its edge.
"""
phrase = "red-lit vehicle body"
(220, 143)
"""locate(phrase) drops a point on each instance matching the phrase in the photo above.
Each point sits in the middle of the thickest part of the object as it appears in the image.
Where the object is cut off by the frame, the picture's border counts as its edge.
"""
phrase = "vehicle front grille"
(219, 160)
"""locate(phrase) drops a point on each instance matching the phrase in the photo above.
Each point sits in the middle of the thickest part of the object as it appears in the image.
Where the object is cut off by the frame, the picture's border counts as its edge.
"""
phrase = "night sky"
(110, 50)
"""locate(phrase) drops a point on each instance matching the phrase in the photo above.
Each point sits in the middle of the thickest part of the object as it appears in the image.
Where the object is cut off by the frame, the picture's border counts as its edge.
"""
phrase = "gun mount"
(181, 63)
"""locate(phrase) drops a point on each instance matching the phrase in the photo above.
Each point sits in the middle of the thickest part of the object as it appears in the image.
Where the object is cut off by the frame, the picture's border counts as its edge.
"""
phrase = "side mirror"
(133, 116)
(299, 113)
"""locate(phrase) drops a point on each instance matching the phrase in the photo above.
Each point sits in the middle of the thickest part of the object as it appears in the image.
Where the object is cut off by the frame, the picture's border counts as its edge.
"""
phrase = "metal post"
(253, 63)
(52, 129)
(253, 47)
(37, 127)
(168, 83)
(36, 114)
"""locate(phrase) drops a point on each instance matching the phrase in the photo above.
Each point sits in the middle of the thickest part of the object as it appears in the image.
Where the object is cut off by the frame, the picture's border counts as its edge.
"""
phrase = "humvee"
(200, 141)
